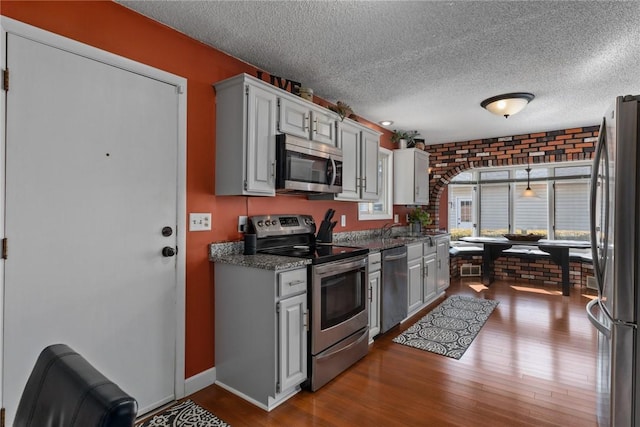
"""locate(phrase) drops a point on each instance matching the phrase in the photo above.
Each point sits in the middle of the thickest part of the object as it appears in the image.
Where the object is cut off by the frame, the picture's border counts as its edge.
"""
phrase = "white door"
(464, 211)
(91, 180)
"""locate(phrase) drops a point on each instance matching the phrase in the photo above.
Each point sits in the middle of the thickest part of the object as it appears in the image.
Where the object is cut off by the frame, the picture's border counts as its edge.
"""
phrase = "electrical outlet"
(199, 221)
(343, 220)
(396, 218)
(242, 223)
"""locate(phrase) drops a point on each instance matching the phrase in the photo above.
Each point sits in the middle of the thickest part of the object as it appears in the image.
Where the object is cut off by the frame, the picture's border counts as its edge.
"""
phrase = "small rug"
(184, 414)
(449, 328)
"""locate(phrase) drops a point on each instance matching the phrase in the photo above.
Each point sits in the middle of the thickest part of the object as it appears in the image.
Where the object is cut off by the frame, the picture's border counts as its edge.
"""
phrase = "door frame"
(8, 25)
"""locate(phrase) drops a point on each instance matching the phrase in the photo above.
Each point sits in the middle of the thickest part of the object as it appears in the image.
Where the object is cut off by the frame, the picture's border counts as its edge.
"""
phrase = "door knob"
(168, 251)
(167, 231)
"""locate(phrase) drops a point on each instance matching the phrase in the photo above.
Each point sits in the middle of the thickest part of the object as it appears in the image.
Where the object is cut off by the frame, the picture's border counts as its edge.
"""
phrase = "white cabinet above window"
(360, 148)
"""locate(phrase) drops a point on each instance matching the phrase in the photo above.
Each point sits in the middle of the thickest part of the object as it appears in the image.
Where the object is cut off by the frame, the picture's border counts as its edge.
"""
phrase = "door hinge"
(277, 388)
(246, 90)
(5, 80)
(278, 308)
(3, 249)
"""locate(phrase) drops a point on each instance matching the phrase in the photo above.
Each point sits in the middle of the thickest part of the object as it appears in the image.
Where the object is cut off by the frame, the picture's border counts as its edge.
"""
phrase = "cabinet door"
(415, 284)
(374, 304)
(421, 177)
(369, 166)
(429, 277)
(323, 127)
(350, 144)
(294, 118)
(261, 140)
(443, 263)
(292, 356)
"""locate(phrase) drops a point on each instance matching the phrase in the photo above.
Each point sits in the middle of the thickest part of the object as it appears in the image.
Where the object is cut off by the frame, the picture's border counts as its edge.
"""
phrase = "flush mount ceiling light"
(386, 123)
(507, 104)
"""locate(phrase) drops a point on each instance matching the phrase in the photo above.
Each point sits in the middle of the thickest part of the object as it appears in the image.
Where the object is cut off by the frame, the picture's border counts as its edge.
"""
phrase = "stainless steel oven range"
(339, 332)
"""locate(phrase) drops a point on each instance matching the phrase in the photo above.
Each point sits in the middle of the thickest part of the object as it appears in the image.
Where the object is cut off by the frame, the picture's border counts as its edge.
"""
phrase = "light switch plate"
(199, 221)
(396, 219)
(343, 220)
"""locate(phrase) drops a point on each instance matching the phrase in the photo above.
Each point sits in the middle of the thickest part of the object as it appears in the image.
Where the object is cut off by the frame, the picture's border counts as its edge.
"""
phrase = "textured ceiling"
(428, 65)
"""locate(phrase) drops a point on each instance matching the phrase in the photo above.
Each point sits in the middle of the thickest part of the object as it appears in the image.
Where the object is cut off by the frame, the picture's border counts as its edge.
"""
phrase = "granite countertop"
(262, 261)
(376, 244)
(231, 252)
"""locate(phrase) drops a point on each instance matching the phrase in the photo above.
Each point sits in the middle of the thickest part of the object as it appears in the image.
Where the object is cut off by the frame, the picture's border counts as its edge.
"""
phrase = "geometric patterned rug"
(449, 328)
(185, 414)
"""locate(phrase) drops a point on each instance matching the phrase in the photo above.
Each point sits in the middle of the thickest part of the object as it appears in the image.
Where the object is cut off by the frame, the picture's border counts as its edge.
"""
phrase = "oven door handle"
(333, 268)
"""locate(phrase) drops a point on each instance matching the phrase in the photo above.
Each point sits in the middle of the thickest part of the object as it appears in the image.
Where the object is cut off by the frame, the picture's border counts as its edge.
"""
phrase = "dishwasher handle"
(394, 257)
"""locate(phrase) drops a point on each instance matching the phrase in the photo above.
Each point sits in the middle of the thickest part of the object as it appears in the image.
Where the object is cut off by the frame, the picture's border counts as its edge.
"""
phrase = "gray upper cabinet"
(307, 120)
(360, 147)
(246, 111)
(410, 177)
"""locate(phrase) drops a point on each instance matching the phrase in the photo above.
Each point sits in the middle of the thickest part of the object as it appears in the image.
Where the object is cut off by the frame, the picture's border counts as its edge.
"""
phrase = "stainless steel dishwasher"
(394, 287)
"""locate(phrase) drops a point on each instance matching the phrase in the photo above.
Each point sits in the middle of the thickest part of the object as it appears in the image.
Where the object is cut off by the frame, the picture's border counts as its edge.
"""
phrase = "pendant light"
(528, 192)
(507, 104)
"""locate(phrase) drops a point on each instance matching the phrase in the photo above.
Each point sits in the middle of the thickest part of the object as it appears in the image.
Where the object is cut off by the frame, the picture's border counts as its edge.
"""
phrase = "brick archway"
(450, 159)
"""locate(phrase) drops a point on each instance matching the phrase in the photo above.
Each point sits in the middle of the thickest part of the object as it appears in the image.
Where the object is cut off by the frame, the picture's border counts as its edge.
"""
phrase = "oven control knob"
(260, 224)
(267, 223)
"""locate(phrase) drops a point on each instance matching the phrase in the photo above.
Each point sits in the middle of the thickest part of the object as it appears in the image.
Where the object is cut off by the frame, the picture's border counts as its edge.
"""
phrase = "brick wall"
(449, 159)
(541, 271)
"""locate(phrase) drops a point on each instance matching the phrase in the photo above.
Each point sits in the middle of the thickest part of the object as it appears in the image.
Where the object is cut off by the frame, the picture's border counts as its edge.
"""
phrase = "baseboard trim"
(199, 381)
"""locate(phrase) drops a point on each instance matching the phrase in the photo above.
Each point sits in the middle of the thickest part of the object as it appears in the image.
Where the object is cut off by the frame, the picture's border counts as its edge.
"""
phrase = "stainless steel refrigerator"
(615, 240)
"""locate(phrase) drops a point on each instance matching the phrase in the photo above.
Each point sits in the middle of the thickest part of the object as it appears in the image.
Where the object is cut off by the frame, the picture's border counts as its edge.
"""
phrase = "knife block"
(325, 233)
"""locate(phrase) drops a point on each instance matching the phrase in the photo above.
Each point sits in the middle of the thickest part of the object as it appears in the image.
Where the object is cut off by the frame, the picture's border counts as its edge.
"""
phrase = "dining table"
(558, 250)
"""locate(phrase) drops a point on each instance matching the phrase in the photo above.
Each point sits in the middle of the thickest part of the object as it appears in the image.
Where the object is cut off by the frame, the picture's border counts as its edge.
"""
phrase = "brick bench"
(524, 264)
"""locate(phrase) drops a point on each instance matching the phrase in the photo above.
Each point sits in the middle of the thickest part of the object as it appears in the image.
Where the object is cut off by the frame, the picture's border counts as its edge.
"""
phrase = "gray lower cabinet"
(261, 323)
(414, 275)
(375, 279)
(427, 272)
(442, 245)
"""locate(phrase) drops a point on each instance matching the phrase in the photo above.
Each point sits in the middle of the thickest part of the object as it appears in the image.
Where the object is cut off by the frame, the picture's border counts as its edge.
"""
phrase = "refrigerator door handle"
(599, 264)
(594, 320)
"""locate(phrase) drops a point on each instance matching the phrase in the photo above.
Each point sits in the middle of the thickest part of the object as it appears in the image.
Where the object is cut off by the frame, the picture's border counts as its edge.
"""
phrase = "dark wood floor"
(532, 364)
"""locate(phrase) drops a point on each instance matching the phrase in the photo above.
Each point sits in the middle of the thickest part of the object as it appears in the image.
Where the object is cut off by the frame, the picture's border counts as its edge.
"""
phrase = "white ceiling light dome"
(507, 104)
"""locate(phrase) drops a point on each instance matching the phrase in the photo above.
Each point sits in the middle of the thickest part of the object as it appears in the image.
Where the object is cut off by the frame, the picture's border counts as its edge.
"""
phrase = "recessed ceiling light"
(386, 123)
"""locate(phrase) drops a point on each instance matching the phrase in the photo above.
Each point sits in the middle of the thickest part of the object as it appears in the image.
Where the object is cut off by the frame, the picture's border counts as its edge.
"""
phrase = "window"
(383, 207)
(560, 209)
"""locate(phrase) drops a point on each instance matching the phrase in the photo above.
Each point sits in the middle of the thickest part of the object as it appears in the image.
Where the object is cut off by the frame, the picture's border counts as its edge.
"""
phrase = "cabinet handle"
(439, 263)
(370, 294)
(296, 282)
(315, 125)
(305, 320)
(426, 270)
(273, 170)
(306, 121)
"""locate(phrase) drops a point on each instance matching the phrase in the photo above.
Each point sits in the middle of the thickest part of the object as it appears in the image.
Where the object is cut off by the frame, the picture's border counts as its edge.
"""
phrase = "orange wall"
(114, 28)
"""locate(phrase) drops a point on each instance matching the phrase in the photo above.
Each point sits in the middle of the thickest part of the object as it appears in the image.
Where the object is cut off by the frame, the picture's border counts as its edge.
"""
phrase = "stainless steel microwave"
(303, 165)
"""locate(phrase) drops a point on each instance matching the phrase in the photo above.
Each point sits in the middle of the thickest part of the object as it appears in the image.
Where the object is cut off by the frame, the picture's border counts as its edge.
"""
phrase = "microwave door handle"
(335, 173)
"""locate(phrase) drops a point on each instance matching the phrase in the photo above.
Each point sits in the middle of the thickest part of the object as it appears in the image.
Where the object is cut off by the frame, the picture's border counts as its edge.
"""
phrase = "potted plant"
(419, 218)
(408, 136)
(342, 109)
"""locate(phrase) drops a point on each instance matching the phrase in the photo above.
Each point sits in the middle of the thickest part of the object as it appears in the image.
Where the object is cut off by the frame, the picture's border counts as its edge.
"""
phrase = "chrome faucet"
(385, 230)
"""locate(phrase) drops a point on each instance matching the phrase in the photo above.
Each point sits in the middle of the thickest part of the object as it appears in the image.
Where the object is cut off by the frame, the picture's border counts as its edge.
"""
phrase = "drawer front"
(414, 251)
(429, 248)
(375, 262)
(292, 282)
